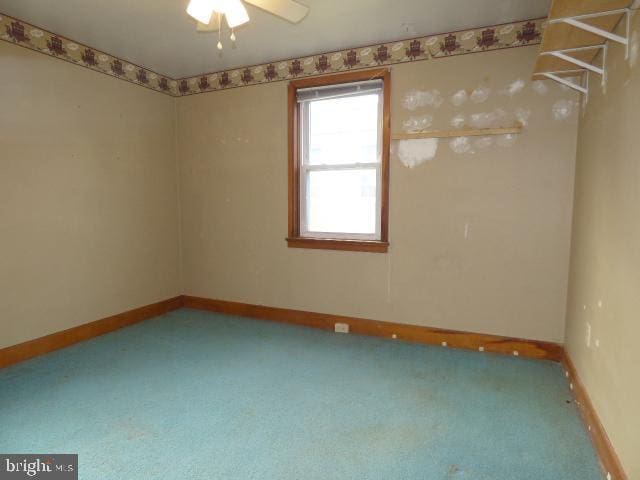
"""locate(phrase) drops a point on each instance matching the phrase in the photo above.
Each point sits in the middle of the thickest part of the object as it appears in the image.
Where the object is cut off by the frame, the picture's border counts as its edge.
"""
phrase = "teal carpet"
(195, 395)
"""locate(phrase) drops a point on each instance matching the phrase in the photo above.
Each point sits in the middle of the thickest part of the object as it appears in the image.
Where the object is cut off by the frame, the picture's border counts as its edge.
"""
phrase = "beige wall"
(88, 207)
(507, 276)
(605, 260)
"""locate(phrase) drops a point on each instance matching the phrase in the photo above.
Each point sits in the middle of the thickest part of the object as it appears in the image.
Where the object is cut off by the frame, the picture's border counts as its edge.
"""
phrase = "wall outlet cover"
(341, 327)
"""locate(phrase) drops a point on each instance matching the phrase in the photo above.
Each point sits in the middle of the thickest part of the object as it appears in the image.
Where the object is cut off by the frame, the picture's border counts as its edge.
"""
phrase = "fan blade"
(212, 26)
(287, 9)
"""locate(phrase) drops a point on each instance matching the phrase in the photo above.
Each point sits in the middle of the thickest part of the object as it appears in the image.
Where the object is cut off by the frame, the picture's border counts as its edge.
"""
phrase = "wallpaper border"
(443, 45)
(27, 35)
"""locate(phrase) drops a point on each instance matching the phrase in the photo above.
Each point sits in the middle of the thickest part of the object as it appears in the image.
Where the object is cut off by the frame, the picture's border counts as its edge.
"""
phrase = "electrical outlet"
(341, 327)
(588, 335)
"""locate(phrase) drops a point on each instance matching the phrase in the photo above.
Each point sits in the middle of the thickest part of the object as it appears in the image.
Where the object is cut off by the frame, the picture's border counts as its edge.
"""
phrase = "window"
(339, 161)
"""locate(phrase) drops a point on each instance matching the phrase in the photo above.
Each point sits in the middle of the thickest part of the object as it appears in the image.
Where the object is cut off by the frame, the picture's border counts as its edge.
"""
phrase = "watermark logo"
(50, 466)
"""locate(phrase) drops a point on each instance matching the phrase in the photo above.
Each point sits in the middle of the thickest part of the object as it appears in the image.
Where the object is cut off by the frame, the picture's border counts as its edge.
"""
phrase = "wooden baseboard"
(608, 458)
(413, 333)
(58, 340)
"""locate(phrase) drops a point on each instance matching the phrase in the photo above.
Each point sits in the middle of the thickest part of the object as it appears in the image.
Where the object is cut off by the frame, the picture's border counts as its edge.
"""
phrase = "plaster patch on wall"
(514, 88)
(461, 145)
(459, 98)
(634, 47)
(417, 124)
(507, 140)
(416, 151)
(539, 87)
(483, 142)
(562, 109)
(414, 99)
(522, 115)
(487, 119)
(480, 94)
(458, 121)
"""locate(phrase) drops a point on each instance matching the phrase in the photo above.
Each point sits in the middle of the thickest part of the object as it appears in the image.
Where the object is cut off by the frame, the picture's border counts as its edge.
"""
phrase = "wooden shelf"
(559, 36)
(475, 132)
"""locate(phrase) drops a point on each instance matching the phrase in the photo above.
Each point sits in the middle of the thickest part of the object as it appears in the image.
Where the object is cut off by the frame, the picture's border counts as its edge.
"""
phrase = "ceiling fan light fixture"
(235, 13)
(201, 10)
(219, 6)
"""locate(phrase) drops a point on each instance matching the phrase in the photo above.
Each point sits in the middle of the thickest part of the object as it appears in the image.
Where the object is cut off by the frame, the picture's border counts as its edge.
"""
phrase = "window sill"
(373, 246)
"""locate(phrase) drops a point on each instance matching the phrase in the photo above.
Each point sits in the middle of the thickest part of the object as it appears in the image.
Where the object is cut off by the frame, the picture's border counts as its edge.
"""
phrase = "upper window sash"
(370, 87)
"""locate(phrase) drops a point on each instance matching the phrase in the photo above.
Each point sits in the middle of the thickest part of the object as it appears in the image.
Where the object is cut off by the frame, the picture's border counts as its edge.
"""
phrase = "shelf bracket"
(580, 87)
(563, 54)
(577, 21)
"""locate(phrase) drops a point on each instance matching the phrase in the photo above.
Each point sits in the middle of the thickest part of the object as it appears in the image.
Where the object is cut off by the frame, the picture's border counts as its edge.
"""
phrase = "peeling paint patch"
(514, 88)
(507, 140)
(461, 145)
(522, 115)
(416, 151)
(459, 98)
(483, 142)
(487, 119)
(480, 94)
(414, 99)
(562, 109)
(458, 121)
(417, 124)
(539, 87)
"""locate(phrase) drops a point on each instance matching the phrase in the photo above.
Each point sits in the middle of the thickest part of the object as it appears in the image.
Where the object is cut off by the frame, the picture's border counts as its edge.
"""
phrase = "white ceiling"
(159, 35)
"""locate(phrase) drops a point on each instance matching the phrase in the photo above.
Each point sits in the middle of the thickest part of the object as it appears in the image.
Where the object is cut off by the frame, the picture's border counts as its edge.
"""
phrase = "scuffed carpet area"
(196, 395)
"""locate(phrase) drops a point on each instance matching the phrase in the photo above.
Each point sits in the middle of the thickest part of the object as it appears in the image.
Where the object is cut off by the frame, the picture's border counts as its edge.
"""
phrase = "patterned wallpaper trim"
(509, 35)
(35, 38)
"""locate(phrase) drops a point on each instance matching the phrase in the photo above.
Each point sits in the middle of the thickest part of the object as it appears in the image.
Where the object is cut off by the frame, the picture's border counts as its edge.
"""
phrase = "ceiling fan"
(209, 13)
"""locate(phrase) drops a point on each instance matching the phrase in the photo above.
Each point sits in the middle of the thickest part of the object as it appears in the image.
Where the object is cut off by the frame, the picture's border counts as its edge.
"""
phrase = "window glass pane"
(342, 201)
(343, 130)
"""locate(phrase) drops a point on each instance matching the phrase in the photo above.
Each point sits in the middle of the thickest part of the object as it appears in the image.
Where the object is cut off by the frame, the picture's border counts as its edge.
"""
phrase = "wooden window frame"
(294, 240)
